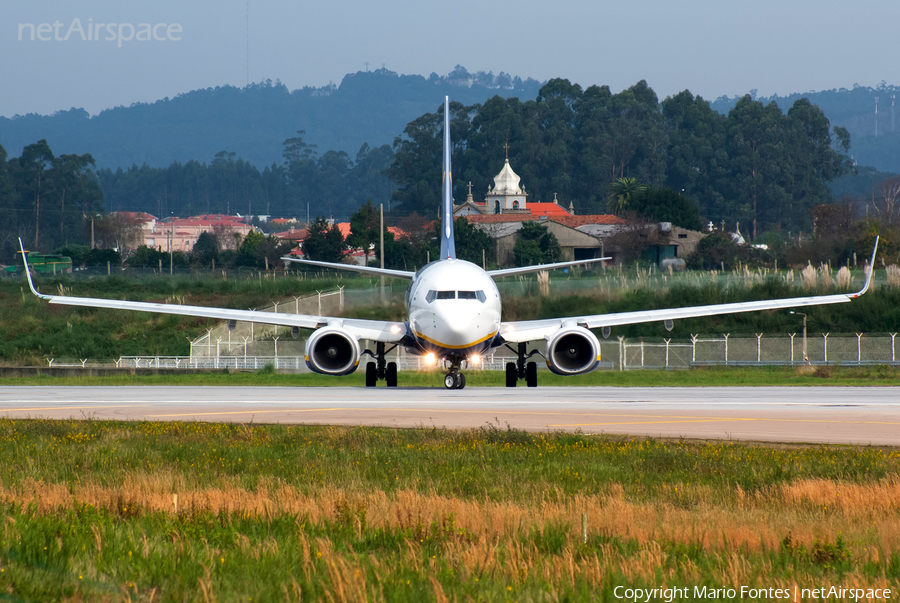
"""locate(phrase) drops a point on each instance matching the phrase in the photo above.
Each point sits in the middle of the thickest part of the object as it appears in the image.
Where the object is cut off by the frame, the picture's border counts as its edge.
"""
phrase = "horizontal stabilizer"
(354, 268)
(542, 267)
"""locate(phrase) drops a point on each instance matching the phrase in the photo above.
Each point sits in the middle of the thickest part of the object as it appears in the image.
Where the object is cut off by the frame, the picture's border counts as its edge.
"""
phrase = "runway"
(834, 415)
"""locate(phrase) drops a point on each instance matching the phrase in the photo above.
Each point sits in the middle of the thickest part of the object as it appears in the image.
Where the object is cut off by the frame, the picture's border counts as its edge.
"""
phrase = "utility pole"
(381, 213)
(876, 117)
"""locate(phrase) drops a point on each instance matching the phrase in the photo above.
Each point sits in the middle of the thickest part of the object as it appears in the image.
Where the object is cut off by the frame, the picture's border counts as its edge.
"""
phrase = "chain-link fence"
(821, 348)
(622, 354)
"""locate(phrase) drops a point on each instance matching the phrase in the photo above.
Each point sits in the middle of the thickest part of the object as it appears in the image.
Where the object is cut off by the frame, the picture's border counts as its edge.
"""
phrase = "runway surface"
(837, 415)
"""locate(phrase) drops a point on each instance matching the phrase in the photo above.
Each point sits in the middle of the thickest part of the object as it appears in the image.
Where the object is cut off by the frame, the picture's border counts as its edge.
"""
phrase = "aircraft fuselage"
(454, 309)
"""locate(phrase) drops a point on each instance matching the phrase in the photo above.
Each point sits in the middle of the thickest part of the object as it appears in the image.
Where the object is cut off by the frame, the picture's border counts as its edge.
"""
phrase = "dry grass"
(808, 509)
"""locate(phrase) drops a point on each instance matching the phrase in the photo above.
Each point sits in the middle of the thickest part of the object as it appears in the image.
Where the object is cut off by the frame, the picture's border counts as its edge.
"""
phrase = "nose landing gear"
(454, 379)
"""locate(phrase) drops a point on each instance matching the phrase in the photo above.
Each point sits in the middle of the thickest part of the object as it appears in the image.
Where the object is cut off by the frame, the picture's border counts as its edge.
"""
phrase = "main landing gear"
(380, 369)
(454, 379)
(520, 369)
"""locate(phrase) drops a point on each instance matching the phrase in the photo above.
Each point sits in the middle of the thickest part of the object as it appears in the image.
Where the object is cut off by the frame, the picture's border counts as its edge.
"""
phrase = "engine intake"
(573, 351)
(332, 351)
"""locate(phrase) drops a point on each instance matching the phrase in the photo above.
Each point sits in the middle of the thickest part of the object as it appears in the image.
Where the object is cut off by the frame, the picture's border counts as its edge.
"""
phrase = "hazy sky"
(712, 47)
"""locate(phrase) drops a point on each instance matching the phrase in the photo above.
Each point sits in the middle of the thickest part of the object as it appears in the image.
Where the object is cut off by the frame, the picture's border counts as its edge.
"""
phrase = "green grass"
(880, 375)
(271, 513)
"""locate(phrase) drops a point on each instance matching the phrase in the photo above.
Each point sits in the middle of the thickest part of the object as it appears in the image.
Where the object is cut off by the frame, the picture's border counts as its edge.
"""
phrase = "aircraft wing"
(375, 330)
(530, 330)
(542, 267)
(354, 268)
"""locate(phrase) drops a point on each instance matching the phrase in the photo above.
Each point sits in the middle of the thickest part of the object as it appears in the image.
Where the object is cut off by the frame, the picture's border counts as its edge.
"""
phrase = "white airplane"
(454, 316)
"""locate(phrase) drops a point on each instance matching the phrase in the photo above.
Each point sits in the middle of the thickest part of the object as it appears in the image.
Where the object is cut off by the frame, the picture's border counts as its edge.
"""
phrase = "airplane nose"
(464, 328)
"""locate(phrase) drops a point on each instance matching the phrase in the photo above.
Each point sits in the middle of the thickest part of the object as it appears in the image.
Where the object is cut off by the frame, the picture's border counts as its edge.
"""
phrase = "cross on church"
(506, 146)
(470, 188)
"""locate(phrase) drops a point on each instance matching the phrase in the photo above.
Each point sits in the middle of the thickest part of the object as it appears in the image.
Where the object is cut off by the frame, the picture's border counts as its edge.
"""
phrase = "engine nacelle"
(572, 351)
(332, 351)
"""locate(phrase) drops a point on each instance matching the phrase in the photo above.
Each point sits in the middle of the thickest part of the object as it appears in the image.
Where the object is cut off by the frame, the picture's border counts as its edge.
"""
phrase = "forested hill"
(253, 122)
(854, 110)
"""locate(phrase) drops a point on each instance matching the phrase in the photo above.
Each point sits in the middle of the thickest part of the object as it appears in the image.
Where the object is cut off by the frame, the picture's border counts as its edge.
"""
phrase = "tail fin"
(448, 246)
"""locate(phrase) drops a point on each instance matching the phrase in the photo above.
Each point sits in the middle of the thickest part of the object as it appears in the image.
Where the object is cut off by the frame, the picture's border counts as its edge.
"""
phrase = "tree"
(620, 193)
(697, 158)
(74, 186)
(117, 231)
(205, 250)
(365, 229)
(472, 244)
(756, 145)
(34, 161)
(527, 253)
(546, 242)
(323, 243)
(665, 205)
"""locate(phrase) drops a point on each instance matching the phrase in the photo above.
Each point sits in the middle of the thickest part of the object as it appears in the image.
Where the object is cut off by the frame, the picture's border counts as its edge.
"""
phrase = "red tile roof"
(293, 234)
(496, 218)
(546, 209)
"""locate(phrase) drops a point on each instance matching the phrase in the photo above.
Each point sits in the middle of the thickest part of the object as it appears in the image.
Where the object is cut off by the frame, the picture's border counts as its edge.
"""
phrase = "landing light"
(395, 329)
(430, 358)
(475, 359)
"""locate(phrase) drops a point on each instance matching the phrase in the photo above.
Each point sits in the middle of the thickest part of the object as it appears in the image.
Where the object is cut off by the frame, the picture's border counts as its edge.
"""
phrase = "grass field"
(881, 375)
(300, 513)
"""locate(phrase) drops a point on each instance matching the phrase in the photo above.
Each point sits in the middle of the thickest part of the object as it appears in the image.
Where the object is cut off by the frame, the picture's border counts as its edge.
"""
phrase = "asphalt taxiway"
(834, 415)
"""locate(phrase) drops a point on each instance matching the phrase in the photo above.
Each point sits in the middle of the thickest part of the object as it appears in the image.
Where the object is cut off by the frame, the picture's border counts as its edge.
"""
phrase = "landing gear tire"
(390, 375)
(371, 374)
(511, 376)
(531, 374)
(451, 381)
(462, 381)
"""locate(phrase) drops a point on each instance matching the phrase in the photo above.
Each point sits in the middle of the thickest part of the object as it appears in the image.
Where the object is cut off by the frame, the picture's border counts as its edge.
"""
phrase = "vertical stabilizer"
(448, 246)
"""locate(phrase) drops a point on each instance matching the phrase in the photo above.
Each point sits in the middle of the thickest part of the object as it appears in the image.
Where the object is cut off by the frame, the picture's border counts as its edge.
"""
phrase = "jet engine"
(572, 351)
(332, 351)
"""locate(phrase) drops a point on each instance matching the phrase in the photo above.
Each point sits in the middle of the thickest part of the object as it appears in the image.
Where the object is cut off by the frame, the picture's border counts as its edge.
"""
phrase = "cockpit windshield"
(476, 295)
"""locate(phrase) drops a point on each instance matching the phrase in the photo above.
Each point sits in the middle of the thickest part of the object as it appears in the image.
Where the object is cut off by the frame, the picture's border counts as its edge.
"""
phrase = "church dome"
(506, 182)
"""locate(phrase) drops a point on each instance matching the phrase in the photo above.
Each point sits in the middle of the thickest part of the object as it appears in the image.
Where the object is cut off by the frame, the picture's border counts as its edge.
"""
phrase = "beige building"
(180, 234)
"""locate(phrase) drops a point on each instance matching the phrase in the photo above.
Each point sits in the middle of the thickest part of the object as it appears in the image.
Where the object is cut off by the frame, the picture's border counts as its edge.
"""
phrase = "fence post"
(320, 302)
(825, 336)
(621, 353)
(758, 345)
(893, 336)
(341, 289)
(642, 352)
(276, 351)
(792, 348)
(726, 346)
(693, 349)
(667, 351)
(859, 348)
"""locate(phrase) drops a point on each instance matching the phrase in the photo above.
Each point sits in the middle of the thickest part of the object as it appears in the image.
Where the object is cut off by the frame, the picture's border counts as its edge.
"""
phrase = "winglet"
(28, 272)
(448, 245)
(868, 282)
